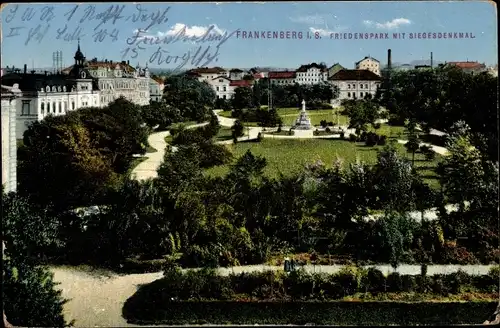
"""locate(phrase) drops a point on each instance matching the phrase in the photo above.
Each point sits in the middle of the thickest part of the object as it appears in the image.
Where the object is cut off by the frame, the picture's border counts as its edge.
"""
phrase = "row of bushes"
(206, 284)
(369, 138)
(149, 312)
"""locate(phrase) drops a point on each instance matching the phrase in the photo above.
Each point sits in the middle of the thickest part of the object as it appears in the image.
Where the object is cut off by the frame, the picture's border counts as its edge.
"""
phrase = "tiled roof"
(305, 68)
(282, 75)
(236, 70)
(158, 79)
(241, 83)
(355, 75)
(467, 64)
(367, 57)
(96, 65)
(221, 77)
(208, 70)
(258, 75)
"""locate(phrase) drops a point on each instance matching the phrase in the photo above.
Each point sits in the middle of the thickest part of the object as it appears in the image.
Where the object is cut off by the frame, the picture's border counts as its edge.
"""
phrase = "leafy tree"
(194, 99)
(413, 144)
(237, 130)
(28, 290)
(242, 98)
(396, 238)
(361, 113)
(470, 181)
(160, 114)
(394, 179)
(59, 164)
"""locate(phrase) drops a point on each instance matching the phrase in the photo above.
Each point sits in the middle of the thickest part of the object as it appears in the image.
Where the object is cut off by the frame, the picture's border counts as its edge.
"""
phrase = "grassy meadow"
(288, 156)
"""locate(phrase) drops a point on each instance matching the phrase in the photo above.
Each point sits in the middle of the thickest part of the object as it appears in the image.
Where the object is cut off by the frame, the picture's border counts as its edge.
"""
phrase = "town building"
(222, 87)
(52, 94)
(354, 84)
(468, 66)
(118, 79)
(10, 96)
(283, 78)
(236, 74)
(311, 74)
(206, 74)
(156, 87)
(334, 69)
(368, 63)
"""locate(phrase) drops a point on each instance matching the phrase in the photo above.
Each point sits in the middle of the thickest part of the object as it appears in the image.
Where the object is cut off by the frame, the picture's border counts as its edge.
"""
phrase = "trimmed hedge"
(160, 300)
(319, 313)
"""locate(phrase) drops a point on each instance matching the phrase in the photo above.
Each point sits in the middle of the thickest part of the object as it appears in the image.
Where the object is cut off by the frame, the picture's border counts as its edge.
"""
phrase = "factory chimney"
(25, 68)
(389, 59)
(431, 60)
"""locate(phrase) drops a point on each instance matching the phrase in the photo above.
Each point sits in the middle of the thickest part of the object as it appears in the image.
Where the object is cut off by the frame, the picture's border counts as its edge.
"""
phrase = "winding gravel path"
(148, 168)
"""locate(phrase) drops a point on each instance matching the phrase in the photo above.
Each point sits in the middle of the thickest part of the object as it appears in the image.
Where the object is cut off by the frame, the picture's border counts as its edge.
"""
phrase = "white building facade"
(368, 63)
(206, 74)
(311, 74)
(283, 78)
(156, 88)
(222, 87)
(9, 97)
(354, 84)
(52, 94)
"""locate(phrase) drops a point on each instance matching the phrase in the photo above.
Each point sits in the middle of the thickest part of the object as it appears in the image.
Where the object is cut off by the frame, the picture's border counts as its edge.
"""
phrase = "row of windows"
(353, 95)
(283, 81)
(55, 88)
(310, 74)
(360, 86)
(223, 97)
(53, 107)
(224, 89)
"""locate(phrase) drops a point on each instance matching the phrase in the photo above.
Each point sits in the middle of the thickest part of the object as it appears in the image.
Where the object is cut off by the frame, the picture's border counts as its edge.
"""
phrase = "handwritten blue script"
(199, 56)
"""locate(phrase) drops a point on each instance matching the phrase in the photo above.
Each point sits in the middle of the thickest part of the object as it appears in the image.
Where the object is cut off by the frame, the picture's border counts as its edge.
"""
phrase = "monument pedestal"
(303, 133)
(303, 127)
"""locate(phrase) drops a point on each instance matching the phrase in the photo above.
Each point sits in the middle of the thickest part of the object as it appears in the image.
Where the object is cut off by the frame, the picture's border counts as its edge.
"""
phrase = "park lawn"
(391, 131)
(225, 113)
(289, 156)
(178, 124)
(225, 133)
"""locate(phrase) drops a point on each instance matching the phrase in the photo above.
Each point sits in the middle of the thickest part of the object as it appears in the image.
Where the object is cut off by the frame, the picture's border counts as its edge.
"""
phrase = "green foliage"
(361, 113)
(195, 100)
(237, 129)
(178, 287)
(243, 98)
(307, 312)
(160, 114)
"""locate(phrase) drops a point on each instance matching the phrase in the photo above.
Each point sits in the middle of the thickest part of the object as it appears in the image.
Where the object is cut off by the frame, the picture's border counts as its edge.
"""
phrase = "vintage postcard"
(250, 163)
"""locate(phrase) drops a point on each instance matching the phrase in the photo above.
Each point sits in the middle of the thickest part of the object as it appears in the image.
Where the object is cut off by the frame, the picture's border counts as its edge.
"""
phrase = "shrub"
(382, 140)
(394, 282)
(331, 123)
(279, 128)
(342, 135)
(347, 278)
(328, 130)
(323, 123)
(290, 132)
(408, 283)
(316, 132)
(438, 285)
(353, 138)
(376, 126)
(374, 281)
(259, 137)
(371, 139)
(363, 136)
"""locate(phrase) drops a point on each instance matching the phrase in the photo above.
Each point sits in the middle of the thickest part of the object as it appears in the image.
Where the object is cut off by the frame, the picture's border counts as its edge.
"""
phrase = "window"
(48, 108)
(217, 88)
(366, 86)
(225, 89)
(221, 80)
(361, 94)
(60, 107)
(26, 107)
(361, 86)
(348, 95)
(42, 108)
(72, 105)
(224, 96)
(348, 87)
(65, 106)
